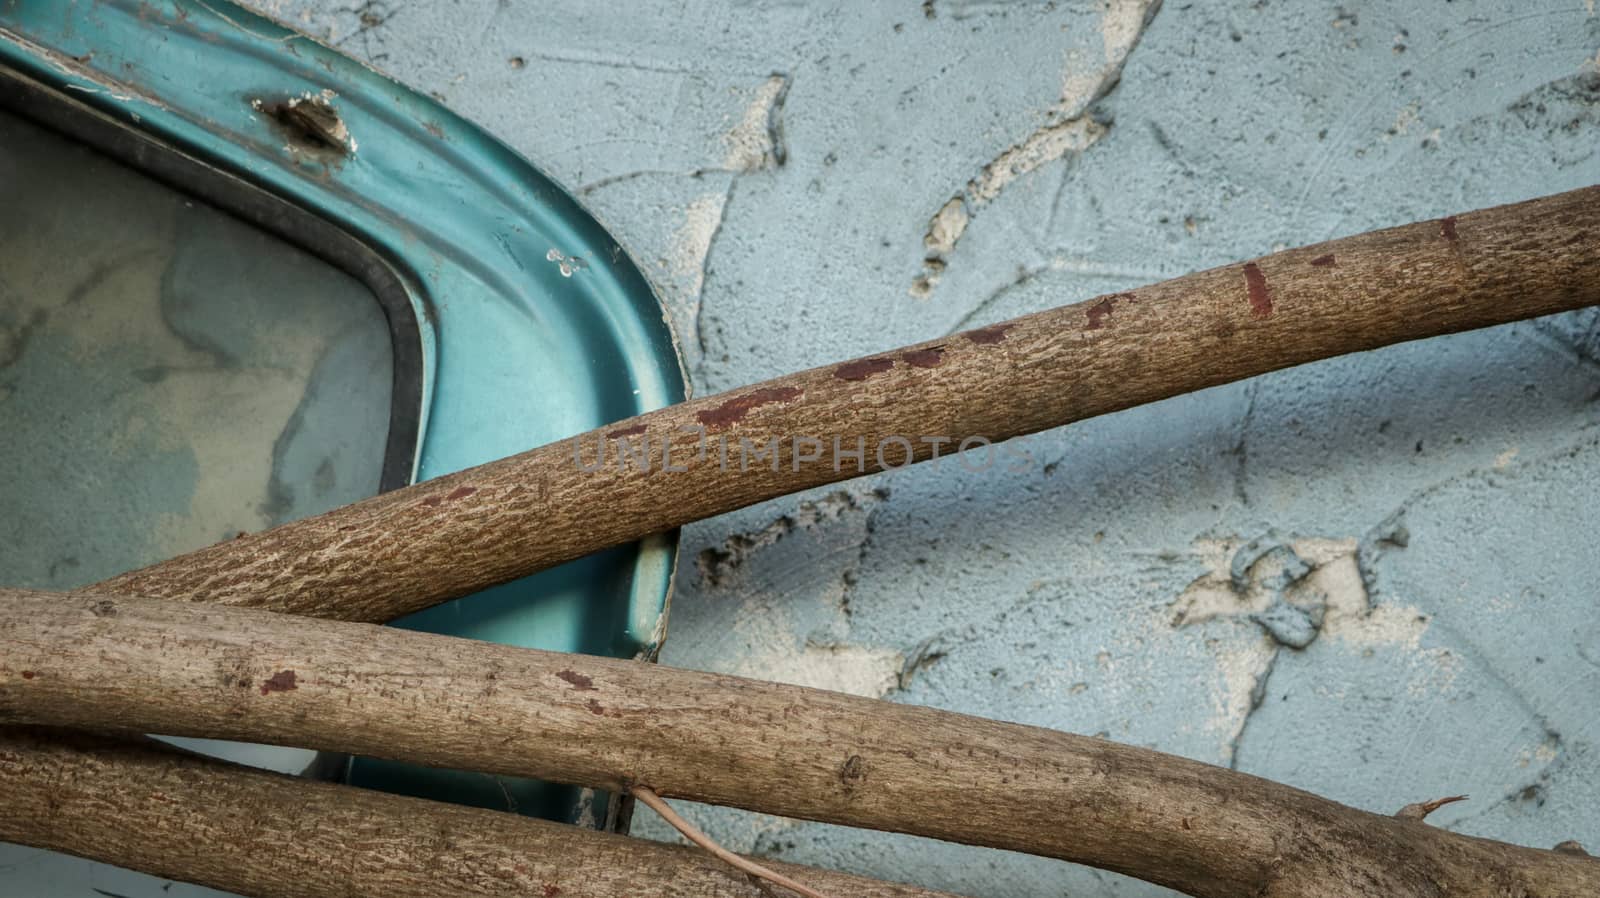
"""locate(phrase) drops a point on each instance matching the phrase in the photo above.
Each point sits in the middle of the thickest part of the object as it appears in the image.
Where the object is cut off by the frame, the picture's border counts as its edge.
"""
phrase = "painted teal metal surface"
(535, 325)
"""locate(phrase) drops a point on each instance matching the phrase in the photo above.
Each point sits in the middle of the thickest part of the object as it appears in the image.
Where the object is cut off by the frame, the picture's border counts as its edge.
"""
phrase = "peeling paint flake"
(757, 141)
(1237, 692)
(78, 68)
(1042, 146)
(947, 226)
(1069, 129)
(1330, 584)
(692, 242)
(567, 265)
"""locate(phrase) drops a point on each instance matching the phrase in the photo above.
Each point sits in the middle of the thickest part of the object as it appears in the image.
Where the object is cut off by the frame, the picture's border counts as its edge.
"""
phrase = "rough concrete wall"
(1372, 577)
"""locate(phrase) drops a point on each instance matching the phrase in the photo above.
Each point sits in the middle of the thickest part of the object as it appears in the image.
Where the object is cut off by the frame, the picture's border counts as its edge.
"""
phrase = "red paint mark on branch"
(1098, 313)
(1260, 296)
(460, 492)
(282, 681)
(28, 675)
(924, 358)
(861, 369)
(578, 680)
(621, 432)
(1327, 261)
(986, 336)
(734, 410)
(1447, 228)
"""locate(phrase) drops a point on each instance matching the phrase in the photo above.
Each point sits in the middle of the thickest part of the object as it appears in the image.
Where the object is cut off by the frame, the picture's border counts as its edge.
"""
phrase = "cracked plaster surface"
(1441, 494)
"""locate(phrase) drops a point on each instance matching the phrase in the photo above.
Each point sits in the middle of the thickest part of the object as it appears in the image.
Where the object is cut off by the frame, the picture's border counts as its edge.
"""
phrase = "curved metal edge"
(237, 142)
(136, 67)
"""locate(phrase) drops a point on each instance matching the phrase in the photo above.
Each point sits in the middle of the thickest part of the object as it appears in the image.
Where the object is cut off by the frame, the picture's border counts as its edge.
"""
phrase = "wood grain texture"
(148, 665)
(142, 805)
(406, 550)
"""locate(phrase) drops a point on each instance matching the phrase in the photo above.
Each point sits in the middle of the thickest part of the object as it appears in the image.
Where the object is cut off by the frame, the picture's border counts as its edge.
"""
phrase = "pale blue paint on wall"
(1049, 596)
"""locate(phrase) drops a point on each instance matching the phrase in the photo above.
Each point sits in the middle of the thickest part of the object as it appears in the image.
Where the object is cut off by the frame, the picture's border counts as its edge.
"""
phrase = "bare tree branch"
(149, 807)
(1170, 820)
(149, 665)
(403, 551)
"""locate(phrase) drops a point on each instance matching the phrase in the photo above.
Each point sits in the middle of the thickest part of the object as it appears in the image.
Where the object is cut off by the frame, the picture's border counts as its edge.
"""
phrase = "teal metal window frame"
(516, 319)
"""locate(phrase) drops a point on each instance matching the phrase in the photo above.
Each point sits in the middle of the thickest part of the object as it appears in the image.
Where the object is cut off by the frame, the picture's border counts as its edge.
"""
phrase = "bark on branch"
(147, 665)
(397, 553)
(406, 550)
(148, 807)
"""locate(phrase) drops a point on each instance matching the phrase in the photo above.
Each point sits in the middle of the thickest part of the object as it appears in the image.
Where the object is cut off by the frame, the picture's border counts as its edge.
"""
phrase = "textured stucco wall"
(785, 170)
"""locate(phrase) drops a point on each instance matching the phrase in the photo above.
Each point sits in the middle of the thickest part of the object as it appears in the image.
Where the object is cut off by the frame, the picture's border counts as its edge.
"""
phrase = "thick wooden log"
(148, 665)
(173, 814)
(384, 557)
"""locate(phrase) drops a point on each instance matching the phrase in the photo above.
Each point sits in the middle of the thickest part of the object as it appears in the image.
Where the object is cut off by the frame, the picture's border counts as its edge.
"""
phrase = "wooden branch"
(148, 665)
(170, 813)
(415, 547)
(384, 557)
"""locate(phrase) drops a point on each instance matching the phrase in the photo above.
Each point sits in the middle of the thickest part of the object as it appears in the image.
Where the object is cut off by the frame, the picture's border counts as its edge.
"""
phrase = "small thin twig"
(691, 832)
(1421, 810)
